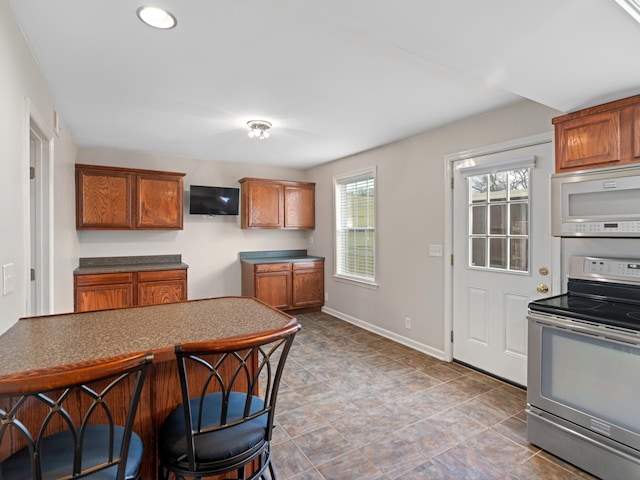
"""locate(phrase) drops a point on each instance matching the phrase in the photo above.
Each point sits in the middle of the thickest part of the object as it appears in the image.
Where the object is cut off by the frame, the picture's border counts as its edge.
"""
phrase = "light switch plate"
(8, 278)
(435, 250)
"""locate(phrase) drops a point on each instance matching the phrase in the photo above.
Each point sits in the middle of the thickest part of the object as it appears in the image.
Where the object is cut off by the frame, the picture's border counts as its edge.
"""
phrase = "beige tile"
(498, 449)
(323, 445)
(354, 405)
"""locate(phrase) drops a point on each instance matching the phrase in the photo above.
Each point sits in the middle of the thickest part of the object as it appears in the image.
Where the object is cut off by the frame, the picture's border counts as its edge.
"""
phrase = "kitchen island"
(35, 344)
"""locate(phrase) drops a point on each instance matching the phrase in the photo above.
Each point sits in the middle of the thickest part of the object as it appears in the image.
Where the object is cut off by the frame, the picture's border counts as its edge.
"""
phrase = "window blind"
(355, 226)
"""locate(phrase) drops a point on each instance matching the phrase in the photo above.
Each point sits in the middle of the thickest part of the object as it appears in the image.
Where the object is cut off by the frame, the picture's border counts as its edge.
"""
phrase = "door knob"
(542, 288)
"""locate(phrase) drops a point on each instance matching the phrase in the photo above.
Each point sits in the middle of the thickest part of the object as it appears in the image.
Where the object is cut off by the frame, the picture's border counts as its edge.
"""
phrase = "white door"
(38, 301)
(502, 255)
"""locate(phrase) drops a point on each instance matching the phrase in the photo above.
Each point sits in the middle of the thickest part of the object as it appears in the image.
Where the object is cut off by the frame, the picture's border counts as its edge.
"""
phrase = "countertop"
(141, 263)
(277, 256)
(35, 343)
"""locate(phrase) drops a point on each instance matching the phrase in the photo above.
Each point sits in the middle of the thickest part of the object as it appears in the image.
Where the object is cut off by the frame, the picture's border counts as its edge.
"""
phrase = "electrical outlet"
(326, 296)
(407, 323)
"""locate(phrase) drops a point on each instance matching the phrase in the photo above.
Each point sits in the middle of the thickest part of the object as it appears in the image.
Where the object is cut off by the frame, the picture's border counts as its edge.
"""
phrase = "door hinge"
(32, 173)
(452, 179)
(451, 336)
(33, 274)
(452, 259)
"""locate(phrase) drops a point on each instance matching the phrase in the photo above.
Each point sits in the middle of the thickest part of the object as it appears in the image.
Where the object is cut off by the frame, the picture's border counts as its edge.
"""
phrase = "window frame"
(508, 202)
(338, 181)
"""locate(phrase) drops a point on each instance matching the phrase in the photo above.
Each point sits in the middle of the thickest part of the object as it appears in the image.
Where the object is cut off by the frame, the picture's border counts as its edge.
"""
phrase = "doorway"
(502, 252)
(40, 223)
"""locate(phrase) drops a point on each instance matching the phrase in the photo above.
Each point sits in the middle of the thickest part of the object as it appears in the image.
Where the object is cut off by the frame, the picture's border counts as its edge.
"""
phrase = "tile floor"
(354, 405)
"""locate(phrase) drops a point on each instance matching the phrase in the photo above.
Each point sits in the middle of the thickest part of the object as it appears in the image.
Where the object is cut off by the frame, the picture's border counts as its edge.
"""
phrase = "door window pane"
(519, 221)
(497, 186)
(498, 215)
(519, 259)
(519, 184)
(479, 252)
(498, 253)
(478, 189)
(479, 220)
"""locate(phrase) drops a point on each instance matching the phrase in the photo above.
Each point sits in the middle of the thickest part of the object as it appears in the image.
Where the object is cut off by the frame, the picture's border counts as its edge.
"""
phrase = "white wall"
(208, 245)
(24, 92)
(410, 216)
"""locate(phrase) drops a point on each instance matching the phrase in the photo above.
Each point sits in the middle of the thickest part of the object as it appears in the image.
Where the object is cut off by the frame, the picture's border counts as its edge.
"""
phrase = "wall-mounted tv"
(213, 200)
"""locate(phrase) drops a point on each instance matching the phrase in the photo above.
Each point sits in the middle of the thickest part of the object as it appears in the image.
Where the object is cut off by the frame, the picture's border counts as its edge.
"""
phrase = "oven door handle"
(607, 333)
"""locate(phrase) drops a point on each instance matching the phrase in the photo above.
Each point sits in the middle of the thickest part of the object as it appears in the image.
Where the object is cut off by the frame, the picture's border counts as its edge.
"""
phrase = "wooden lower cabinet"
(288, 286)
(307, 284)
(167, 286)
(105, 291)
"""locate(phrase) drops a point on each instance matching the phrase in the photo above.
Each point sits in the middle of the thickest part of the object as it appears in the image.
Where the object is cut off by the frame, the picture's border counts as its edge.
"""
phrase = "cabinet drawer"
(104, 279)
(272, 267)
(308, 265)
(162, 275)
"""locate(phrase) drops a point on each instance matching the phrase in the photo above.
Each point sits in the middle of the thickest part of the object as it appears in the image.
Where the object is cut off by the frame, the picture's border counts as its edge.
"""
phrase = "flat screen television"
(213, 200)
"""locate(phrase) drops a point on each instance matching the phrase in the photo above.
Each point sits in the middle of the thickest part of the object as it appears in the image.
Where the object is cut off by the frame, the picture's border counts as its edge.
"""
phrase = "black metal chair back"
(74, 421)
(225, 421)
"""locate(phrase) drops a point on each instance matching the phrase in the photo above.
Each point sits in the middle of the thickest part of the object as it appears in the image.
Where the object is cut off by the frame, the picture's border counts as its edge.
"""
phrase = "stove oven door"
(588, 375)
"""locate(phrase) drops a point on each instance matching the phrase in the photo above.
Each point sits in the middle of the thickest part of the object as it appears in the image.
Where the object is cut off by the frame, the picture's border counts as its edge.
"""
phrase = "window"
(355, 199)
(499, 220)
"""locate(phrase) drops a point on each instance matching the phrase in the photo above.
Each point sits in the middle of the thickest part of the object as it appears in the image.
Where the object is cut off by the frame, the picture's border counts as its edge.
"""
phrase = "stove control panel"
(613, 269)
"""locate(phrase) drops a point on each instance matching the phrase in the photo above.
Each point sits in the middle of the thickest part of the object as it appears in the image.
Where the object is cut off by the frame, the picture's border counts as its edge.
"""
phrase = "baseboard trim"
(408, 342)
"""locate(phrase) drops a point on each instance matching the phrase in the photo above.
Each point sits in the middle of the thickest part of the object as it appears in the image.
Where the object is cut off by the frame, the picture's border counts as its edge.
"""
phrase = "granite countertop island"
(36, 343)
(142, 263)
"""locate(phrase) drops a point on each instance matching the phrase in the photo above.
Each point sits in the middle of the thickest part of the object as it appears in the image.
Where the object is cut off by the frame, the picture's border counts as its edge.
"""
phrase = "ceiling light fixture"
(632, 7)
(156, 17)
(259, 129)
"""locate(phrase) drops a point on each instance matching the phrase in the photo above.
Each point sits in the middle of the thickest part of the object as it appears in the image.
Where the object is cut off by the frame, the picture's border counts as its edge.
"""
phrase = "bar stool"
(74, 421)
(229, 390)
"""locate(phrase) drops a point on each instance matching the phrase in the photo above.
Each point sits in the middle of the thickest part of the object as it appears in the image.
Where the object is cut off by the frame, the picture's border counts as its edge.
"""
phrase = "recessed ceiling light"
(156, 17)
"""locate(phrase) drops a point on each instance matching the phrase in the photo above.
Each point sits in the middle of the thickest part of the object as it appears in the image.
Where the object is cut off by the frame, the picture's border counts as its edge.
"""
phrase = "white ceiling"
(335, 77)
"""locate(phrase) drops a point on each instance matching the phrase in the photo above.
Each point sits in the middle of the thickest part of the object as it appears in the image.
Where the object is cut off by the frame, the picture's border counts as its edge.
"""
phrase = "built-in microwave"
(598, 203)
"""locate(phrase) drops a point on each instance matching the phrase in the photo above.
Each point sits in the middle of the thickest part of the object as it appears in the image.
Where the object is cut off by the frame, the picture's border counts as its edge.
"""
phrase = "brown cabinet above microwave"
(113, 198)
(603, 136)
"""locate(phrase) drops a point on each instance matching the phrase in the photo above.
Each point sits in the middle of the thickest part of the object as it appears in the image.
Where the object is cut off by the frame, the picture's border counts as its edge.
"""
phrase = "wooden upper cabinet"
(103, 198)
(603, 136)
(160, 201)
(277, 204)
(300, 206)
(263, 204)
(112, 198)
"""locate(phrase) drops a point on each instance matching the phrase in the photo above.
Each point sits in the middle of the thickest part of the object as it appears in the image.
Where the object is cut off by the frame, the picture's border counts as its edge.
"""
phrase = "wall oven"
(583, 390)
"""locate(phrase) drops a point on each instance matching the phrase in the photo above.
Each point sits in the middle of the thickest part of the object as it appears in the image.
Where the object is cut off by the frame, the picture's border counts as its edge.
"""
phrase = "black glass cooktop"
(609, 304)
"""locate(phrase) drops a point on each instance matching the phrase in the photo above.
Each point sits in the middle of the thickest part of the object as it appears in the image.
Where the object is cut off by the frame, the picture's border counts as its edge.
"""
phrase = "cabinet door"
(592, 141)
(263, 205)
(300, 206)
(273, 284)
(159, 202)
(630, 134)
(102, 292)
(167, 286)
(103, 199)
(308, 284)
